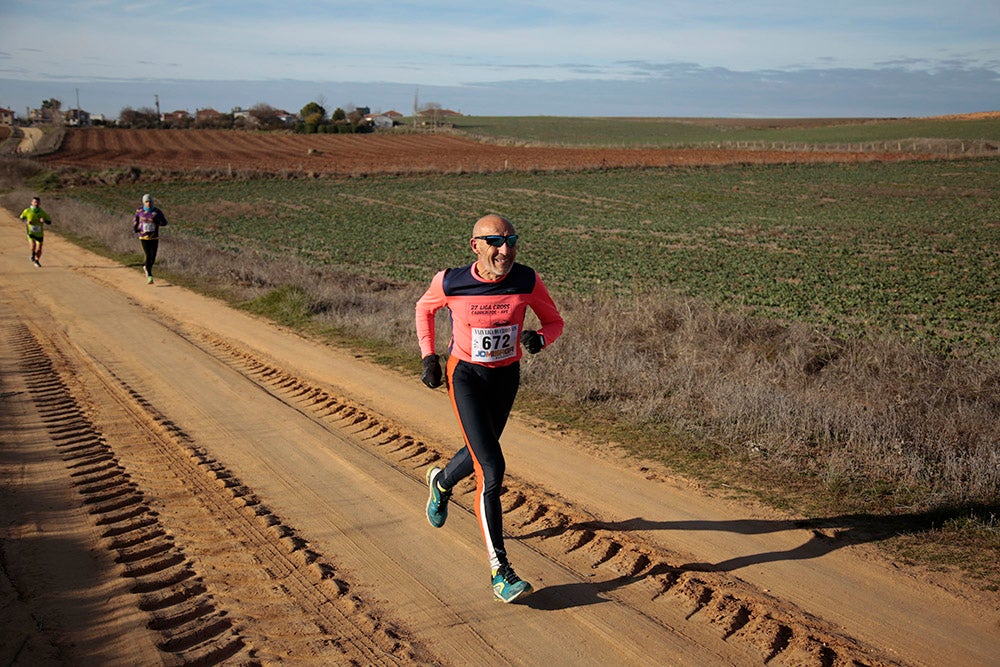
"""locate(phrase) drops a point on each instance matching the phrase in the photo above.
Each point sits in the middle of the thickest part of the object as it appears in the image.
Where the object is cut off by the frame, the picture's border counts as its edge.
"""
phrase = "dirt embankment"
(30, 141)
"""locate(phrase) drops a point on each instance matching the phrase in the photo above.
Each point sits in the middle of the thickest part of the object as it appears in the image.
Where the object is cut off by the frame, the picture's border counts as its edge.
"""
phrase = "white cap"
(147, 197)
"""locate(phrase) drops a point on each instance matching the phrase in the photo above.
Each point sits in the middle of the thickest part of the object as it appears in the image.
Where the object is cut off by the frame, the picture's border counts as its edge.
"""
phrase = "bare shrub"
(15, 172)
(862, 415)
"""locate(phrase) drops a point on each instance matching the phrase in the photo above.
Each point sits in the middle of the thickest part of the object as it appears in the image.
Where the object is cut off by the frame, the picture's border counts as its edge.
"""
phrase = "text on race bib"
(494, 343)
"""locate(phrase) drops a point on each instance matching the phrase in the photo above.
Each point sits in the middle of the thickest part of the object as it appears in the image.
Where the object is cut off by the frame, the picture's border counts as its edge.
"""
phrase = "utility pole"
(416, 92)
(157, 98)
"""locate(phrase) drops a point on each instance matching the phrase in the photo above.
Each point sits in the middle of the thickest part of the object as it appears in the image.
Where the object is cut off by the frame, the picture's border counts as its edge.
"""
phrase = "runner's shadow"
(826, 534)
(582, 594)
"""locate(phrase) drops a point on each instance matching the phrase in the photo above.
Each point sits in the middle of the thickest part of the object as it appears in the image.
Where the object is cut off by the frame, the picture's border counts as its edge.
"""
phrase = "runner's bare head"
(494, 261)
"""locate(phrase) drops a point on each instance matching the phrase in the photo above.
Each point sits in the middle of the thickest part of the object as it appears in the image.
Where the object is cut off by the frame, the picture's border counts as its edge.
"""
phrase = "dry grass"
(867, 419)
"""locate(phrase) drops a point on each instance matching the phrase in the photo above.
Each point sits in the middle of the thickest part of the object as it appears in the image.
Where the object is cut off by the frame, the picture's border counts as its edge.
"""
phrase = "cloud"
(656, 89)
(442, 41)
(588, 57)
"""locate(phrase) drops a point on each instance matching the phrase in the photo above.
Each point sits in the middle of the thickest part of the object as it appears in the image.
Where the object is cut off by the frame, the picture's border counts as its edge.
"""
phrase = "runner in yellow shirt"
(35, 218)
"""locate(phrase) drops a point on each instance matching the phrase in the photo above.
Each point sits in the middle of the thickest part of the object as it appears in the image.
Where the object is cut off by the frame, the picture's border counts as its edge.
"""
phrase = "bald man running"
(488, 300)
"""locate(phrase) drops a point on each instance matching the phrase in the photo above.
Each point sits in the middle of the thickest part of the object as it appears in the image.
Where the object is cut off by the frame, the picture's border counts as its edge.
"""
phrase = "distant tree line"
(312, 119)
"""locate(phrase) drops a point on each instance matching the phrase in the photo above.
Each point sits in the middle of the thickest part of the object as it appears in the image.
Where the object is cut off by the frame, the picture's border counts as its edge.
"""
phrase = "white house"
(379, 121)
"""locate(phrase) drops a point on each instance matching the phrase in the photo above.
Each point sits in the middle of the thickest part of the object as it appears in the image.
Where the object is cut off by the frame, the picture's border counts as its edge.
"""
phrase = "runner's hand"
(432, 371)
(532, 341)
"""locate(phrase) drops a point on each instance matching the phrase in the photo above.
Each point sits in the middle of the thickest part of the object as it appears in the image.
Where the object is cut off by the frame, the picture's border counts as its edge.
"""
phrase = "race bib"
(494, 343)
(148, 227)
(34, 229)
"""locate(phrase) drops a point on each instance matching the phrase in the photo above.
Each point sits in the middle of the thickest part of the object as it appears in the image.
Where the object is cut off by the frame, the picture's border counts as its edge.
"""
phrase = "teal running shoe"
(507, 586)
(437, 502)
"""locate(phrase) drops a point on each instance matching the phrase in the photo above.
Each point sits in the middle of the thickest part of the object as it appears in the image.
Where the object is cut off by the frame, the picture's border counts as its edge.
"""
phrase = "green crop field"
(910, 249)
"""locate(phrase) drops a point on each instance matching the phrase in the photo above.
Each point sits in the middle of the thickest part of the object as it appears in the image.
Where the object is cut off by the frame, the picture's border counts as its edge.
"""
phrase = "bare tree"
(265, 116)
(145, 117)
(432, 112)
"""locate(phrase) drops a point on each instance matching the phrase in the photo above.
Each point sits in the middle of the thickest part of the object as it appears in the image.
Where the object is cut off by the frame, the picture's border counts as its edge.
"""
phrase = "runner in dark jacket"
(146, 223)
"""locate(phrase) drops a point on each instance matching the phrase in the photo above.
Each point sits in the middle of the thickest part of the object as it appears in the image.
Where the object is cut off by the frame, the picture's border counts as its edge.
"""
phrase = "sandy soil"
(182, 483)
(32, 135)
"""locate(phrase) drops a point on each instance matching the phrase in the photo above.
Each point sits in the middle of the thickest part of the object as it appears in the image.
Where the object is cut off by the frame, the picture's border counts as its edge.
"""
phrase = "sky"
(666, 58)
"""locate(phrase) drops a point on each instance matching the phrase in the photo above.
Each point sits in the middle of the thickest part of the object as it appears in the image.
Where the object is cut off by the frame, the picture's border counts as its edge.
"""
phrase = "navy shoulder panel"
(461, 282)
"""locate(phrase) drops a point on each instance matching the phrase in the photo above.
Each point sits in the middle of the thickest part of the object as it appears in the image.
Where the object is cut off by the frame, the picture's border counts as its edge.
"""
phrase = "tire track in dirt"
(647, 578)
(193, 629)
(127, 459)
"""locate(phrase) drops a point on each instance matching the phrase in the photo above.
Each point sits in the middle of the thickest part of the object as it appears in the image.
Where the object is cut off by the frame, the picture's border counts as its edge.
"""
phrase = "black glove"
(532, 341)
(432, 371)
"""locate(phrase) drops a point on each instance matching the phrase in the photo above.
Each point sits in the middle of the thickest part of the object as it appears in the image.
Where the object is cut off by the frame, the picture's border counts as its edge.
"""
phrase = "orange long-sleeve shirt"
(486, 316)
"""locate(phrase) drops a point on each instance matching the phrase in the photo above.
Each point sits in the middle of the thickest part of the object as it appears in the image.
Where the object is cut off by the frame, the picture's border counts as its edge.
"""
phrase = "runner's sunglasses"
(497, 240)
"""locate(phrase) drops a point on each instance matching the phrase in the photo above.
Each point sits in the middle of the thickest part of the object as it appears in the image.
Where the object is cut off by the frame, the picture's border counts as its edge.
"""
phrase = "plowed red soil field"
(187, 150)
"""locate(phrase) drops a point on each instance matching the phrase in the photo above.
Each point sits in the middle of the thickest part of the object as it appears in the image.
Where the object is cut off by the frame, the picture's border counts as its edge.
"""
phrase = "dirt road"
(182, 483)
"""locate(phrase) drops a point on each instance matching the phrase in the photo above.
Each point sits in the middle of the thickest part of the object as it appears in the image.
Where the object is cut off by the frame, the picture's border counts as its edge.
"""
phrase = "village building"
(379, 121)
(438, 113)
(45, 116)
(208, 115)
(181, 117)
(76, 118)
(436, 117)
